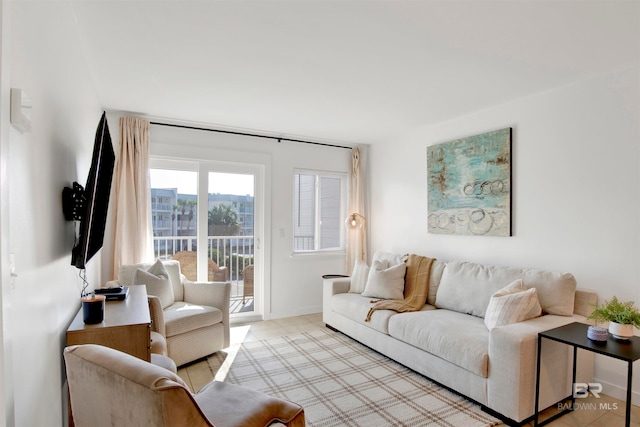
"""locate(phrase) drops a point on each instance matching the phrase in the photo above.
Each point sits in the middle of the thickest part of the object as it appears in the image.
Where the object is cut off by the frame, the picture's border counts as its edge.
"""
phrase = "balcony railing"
(233, 252)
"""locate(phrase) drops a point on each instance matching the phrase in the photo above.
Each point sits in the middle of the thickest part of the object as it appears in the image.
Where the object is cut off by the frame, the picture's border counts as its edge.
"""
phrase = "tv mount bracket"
(74, 202)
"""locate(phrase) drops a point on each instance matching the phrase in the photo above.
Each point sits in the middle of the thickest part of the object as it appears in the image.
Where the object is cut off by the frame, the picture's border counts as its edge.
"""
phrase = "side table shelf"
(575, 335)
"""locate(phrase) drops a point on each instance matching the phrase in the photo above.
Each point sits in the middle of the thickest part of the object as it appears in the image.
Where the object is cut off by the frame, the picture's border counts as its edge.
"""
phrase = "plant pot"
(597, 333)
(619, 331)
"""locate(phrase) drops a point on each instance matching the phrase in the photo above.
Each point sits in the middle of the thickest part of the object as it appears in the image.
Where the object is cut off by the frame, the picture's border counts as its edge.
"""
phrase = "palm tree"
(191, 204)
(174, 230)
(183, 208)
(223, 221)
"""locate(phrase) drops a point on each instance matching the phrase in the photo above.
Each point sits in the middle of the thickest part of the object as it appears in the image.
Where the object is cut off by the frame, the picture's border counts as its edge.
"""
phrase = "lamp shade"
(355, 220)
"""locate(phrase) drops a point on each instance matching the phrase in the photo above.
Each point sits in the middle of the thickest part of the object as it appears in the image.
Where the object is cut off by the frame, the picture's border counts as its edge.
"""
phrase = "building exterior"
(175, 214)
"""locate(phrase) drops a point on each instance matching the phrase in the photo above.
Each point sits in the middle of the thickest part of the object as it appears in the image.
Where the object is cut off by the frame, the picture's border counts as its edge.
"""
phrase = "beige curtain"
(356, 238)
(132, 238)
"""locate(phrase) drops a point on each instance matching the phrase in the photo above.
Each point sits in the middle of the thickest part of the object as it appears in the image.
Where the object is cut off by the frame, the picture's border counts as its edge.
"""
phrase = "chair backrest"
(111, 388)
(247, 274)
(188, 266)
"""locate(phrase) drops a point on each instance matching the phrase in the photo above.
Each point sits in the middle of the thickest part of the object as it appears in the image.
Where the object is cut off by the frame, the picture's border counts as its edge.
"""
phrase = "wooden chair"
(188, 267)
(247, 282)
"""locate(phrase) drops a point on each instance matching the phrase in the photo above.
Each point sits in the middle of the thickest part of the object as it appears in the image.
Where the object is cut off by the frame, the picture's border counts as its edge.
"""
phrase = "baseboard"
(620, 393)
(299, 312)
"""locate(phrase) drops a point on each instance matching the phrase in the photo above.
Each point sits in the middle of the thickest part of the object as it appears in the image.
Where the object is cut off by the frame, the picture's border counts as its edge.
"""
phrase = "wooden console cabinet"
(126, 326)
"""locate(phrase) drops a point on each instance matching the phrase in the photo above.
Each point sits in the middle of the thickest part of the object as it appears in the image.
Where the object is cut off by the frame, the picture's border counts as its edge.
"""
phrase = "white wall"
(576, 191)
(46, 62)
(293, 282)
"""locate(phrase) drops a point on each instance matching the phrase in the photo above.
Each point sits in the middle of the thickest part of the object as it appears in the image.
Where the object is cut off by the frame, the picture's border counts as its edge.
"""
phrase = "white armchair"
(196, 324)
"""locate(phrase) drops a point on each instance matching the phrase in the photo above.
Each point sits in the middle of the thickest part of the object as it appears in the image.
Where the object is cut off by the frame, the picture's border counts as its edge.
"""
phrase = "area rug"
(340, 382)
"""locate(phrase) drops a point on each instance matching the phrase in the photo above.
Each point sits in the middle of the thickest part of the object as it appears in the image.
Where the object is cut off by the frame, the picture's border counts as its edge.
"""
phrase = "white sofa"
(442, 341)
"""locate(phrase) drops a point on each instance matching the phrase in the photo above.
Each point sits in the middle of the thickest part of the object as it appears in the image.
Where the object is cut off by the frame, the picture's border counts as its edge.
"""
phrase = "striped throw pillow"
(511, 304)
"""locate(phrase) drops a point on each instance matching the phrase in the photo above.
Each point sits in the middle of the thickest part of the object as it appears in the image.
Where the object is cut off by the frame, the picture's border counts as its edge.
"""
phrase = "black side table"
(575, 334)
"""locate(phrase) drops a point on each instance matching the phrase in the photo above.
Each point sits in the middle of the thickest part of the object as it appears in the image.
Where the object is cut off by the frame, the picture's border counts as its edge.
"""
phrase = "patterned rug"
(340, 382)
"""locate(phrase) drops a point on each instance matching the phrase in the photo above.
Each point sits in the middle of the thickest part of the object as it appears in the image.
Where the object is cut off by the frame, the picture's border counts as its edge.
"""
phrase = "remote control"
(108, 290)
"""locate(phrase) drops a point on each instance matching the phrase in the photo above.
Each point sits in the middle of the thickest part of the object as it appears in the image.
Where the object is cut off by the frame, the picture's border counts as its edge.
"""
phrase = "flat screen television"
(93, 215)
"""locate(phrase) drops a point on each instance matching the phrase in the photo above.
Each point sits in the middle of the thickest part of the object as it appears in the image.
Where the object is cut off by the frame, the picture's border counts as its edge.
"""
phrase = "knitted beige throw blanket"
(416, 287)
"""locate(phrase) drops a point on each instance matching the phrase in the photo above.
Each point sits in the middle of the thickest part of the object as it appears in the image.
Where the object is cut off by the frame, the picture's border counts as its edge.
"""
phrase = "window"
(319, 211)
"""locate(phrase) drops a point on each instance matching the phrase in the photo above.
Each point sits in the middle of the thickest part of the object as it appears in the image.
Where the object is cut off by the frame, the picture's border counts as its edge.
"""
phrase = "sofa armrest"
(337, 286)
(213, 294)
(512, 366)
(584, 301)
(331, 287)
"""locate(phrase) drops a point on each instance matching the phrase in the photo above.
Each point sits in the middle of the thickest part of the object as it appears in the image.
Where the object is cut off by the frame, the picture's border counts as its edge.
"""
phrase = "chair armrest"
(512, 366)
(213, 294)
(157, 315)
(222, 275)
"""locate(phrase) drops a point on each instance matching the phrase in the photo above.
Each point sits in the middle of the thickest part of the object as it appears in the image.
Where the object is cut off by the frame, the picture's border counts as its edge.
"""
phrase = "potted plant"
(622, 317)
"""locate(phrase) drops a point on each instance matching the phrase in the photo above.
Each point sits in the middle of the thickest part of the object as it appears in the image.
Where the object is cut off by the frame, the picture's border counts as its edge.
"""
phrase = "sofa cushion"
(157, 282)
(434, 281)
(556, 291)
(359, 277)
(455, 337)
(389, 258)
(512, 304)
(356, 307)
(467, 287)
(386, 282)
(182, 317)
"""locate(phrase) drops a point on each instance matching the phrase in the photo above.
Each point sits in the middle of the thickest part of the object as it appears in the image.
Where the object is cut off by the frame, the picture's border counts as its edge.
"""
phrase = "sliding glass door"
(206, 215)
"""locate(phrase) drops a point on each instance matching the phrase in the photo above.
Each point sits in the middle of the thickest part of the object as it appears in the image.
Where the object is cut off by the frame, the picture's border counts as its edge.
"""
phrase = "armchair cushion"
(183, 317)
(232, 405)
(158, 283)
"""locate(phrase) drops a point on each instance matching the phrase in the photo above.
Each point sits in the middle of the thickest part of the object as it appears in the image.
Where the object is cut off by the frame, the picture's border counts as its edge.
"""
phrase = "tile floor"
(197, 374)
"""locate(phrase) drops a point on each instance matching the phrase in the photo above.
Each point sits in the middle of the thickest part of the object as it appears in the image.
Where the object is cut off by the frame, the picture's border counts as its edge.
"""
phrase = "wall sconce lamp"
(356, 221)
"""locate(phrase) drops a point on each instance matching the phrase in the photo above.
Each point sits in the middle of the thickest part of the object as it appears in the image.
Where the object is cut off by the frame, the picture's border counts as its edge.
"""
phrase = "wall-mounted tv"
(92, 211)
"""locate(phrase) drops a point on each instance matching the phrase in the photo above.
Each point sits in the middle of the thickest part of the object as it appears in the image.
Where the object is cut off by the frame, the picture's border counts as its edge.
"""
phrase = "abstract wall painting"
(469, 185)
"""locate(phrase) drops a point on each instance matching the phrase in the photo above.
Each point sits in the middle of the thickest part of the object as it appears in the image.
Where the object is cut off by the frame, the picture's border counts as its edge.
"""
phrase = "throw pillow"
(385, 282)
(359, 277)
(512, 304)
(158, 283)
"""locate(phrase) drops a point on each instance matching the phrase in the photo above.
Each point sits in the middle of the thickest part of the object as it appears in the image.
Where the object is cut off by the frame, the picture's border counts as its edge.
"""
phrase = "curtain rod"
(278, 138)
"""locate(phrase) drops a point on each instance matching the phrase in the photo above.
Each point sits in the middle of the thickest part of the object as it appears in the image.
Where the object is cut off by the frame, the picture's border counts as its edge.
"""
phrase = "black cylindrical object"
(93, 309)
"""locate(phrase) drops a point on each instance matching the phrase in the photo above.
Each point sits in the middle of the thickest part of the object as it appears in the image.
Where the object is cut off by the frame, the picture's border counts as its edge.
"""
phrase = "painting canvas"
(469, 185)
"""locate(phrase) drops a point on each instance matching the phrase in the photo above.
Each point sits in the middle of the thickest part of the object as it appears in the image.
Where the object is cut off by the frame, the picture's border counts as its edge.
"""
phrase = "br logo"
(582, 390)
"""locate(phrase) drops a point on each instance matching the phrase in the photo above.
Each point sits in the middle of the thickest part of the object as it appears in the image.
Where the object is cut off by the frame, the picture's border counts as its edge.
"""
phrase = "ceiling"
(350, 71)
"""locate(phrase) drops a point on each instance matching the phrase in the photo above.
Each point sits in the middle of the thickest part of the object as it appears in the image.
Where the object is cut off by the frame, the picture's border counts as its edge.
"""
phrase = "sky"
(187, 182)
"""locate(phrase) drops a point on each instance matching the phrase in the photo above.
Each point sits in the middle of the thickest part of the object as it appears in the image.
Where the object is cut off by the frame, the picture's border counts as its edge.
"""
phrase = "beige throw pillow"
(385, 282)
(359, 277)
(157, 281)
(511, 304)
